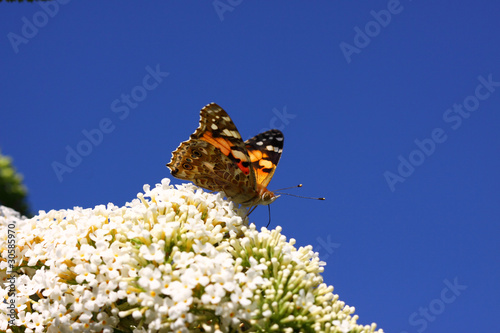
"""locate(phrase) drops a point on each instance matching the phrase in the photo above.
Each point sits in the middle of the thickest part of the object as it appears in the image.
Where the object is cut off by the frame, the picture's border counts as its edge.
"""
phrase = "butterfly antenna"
(269, 210)
(300, 196)
(287, 188)
(294, 195)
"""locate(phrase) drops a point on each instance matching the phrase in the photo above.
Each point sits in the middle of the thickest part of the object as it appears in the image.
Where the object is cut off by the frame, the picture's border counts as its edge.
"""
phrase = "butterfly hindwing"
(264, 151)
(204, 165)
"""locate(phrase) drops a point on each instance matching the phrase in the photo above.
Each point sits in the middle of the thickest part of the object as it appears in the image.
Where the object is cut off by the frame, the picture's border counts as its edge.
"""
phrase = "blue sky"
(390, 110)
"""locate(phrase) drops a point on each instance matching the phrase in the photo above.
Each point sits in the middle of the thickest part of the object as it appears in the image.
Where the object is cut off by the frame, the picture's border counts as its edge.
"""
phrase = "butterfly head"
(266, 197)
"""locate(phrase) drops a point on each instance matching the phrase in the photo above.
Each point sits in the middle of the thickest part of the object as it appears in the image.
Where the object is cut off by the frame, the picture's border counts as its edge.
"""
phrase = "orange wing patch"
(262, 167)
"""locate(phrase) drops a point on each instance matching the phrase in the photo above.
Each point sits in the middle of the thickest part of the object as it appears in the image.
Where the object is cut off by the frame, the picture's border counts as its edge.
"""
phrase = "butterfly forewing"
(265, 150)
(217, 128)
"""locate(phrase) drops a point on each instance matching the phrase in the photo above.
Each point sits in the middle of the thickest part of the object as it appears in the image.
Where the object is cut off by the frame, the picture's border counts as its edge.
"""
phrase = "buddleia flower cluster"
(175, 259)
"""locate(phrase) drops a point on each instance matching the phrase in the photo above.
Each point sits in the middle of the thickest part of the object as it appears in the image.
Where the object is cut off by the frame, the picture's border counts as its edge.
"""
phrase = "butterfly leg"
(250, 210)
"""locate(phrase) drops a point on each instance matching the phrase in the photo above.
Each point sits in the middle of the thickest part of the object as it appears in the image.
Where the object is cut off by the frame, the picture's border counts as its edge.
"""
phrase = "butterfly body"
(216, 158)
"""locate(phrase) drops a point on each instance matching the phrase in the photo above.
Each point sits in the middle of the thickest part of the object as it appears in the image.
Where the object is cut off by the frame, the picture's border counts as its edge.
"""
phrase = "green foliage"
(12, 191)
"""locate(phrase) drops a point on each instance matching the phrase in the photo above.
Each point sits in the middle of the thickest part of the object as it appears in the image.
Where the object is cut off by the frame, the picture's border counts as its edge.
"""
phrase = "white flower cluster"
(173, 260)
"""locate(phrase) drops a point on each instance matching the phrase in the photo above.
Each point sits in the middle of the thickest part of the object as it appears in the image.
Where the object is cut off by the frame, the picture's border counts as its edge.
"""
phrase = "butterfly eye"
(187, 166)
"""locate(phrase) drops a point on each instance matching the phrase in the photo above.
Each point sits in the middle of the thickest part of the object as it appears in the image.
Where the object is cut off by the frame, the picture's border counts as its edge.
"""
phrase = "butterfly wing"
(215, 157)
(217, 128)
(203, 164)
(264, 151)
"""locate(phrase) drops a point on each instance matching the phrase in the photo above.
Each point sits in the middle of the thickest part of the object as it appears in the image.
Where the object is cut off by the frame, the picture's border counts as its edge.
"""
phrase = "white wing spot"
(227, 132)
(270, 148)
(239, 154)
(266, 164)
(259, 143)
(279, 138)
(276, 149)
(214, 127)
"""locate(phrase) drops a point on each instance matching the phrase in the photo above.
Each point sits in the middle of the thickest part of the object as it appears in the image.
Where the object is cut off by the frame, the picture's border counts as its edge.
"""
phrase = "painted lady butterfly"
(216, 158)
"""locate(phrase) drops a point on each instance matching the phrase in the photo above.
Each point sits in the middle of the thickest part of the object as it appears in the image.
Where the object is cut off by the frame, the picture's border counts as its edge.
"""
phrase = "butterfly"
(216, 158)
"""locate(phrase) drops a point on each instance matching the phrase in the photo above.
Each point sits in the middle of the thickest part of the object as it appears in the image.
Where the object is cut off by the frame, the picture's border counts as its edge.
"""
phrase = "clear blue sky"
(389, 109)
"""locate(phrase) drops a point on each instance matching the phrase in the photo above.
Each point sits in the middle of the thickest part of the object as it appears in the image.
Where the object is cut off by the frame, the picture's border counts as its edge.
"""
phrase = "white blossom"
(175, 259)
